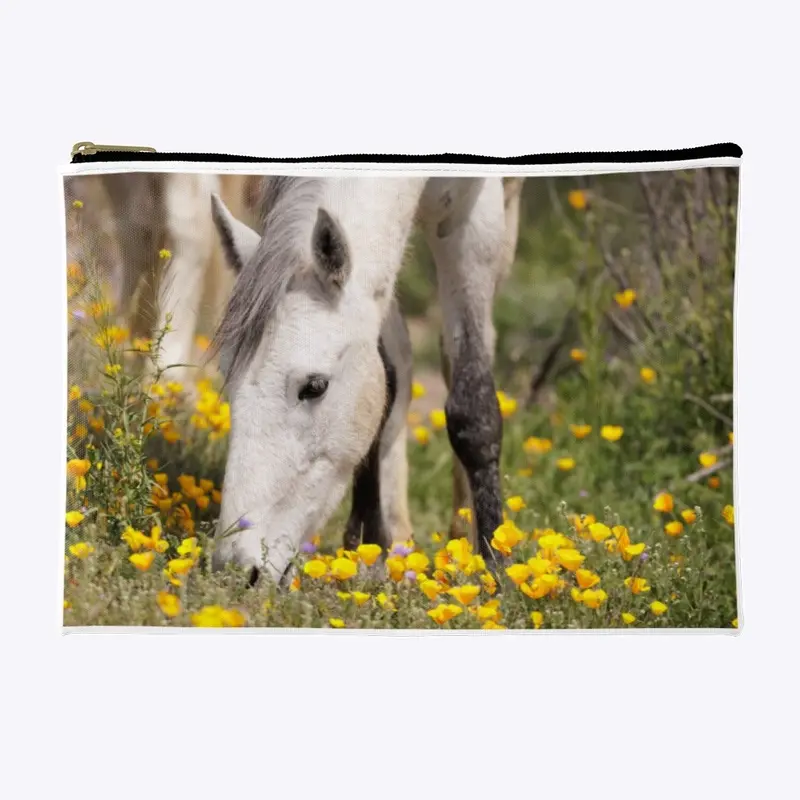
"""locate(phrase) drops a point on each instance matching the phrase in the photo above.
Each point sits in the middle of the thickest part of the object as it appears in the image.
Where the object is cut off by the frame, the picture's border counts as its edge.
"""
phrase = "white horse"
(299, 344)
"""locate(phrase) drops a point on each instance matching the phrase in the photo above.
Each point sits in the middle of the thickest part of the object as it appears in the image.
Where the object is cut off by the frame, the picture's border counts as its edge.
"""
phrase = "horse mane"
(287, 210)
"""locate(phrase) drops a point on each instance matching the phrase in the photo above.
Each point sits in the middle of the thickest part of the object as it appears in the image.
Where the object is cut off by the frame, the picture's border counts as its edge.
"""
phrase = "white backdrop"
(285, 716)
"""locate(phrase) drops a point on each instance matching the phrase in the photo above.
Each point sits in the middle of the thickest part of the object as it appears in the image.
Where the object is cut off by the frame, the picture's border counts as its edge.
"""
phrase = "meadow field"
(614, 368)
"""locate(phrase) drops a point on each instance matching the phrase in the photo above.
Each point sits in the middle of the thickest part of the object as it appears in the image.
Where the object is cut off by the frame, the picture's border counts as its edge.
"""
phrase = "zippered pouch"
(367, 392)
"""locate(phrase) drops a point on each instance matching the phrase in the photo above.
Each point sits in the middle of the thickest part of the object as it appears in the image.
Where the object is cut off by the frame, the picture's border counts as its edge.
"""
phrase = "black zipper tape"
(725, 150)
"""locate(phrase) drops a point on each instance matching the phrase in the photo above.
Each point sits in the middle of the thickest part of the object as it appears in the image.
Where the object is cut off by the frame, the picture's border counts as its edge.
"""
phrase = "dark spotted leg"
(475, 428)
(366, 523)
(465, 226)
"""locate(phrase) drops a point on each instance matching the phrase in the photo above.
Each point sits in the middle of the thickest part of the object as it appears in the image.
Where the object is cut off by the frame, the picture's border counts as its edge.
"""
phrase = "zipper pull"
(90, 148)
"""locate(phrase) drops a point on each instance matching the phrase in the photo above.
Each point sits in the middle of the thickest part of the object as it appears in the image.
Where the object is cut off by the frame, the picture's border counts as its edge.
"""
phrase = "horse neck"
(377, 215)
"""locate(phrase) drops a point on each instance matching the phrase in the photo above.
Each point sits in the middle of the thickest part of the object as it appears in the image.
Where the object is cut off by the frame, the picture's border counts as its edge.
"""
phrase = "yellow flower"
(550, 542)
(525, 472)
(658, 608)
(689, 516)
(142, 561)
(664, 502)
(188, 547)
(673, 528)
(419, 562)
(77, 204)
(533, 444)
(508, 405)
(566, 463)
(359, 598)
(628, 618)
(134, 539)
(112, 369)
(586, 578)
(735, 623)
(74, 518)
(707, 459)
(580, 431)
(540, 586)
(599, 532)
(169, 604)
(506, 537)
(611, 433)
(577, 354)
(537, 618)
(315, 568)
(540, 566)
(466, 515)
(180, 566)
(569, 559)
(730, 437)
(727, 514)
(593, 598)
(431, 589)
(489, 583)
(444, 612)
(164, 254)
(81, 549)
(78, 467)
(436, 537)
(577, 199)
(218, 617)
(368, 553)
(335, 622)
(417, 390)
(74, 392)
(421, 434)
(384, 601)
(438, 419)
(110, 336)
(515, 503)
(491, 625)
(396, 567)
(626, 298)
(637, 585)
(713, 482)
(518, 573)
(141, 345)
(632, 550)
(465, 594)
(648, 374)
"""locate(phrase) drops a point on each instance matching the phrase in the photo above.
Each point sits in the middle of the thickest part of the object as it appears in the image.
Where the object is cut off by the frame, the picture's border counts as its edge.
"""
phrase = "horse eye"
(316, 386)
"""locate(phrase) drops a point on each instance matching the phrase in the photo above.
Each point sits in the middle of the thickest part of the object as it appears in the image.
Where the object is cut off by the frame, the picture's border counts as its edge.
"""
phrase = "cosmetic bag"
(436, 393)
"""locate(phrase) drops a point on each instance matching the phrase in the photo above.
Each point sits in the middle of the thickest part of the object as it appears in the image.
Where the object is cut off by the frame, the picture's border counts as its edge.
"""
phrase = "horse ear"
(238, 240)
(330, 249)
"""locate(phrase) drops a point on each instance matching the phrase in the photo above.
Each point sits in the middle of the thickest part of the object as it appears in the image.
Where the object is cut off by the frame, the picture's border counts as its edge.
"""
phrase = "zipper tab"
(90, 149)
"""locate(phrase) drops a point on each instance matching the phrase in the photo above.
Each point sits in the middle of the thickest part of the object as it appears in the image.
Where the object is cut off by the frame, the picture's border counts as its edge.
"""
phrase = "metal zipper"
(88, 152)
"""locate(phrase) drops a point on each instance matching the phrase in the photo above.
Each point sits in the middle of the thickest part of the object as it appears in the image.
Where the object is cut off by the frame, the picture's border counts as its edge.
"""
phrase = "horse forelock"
(287, 205)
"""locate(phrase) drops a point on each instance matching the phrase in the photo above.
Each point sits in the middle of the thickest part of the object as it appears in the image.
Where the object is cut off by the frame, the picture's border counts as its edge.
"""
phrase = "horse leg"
(465, 224)
(380, 484)
(366, 523)
(190, 231)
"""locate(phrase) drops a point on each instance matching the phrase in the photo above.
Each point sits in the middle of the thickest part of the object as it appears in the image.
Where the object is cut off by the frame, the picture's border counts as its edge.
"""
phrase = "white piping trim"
(382, 170)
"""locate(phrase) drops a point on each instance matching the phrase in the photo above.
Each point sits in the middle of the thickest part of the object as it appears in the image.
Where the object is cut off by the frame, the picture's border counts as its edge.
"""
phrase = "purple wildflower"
(644, 557)
(245, 524)
(583, 493)
(401, 550)
(308, 547)
(410, 575)
(79, 313)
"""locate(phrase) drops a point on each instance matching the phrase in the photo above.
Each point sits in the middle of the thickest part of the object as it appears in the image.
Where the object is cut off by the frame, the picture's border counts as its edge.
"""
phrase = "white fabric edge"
(379, 170)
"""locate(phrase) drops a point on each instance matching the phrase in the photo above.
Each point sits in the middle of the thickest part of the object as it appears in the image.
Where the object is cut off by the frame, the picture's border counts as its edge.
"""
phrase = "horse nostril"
(253, 577)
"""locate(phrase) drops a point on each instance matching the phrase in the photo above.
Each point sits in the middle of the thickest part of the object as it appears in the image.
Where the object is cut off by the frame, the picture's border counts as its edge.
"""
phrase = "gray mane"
(287, 210)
